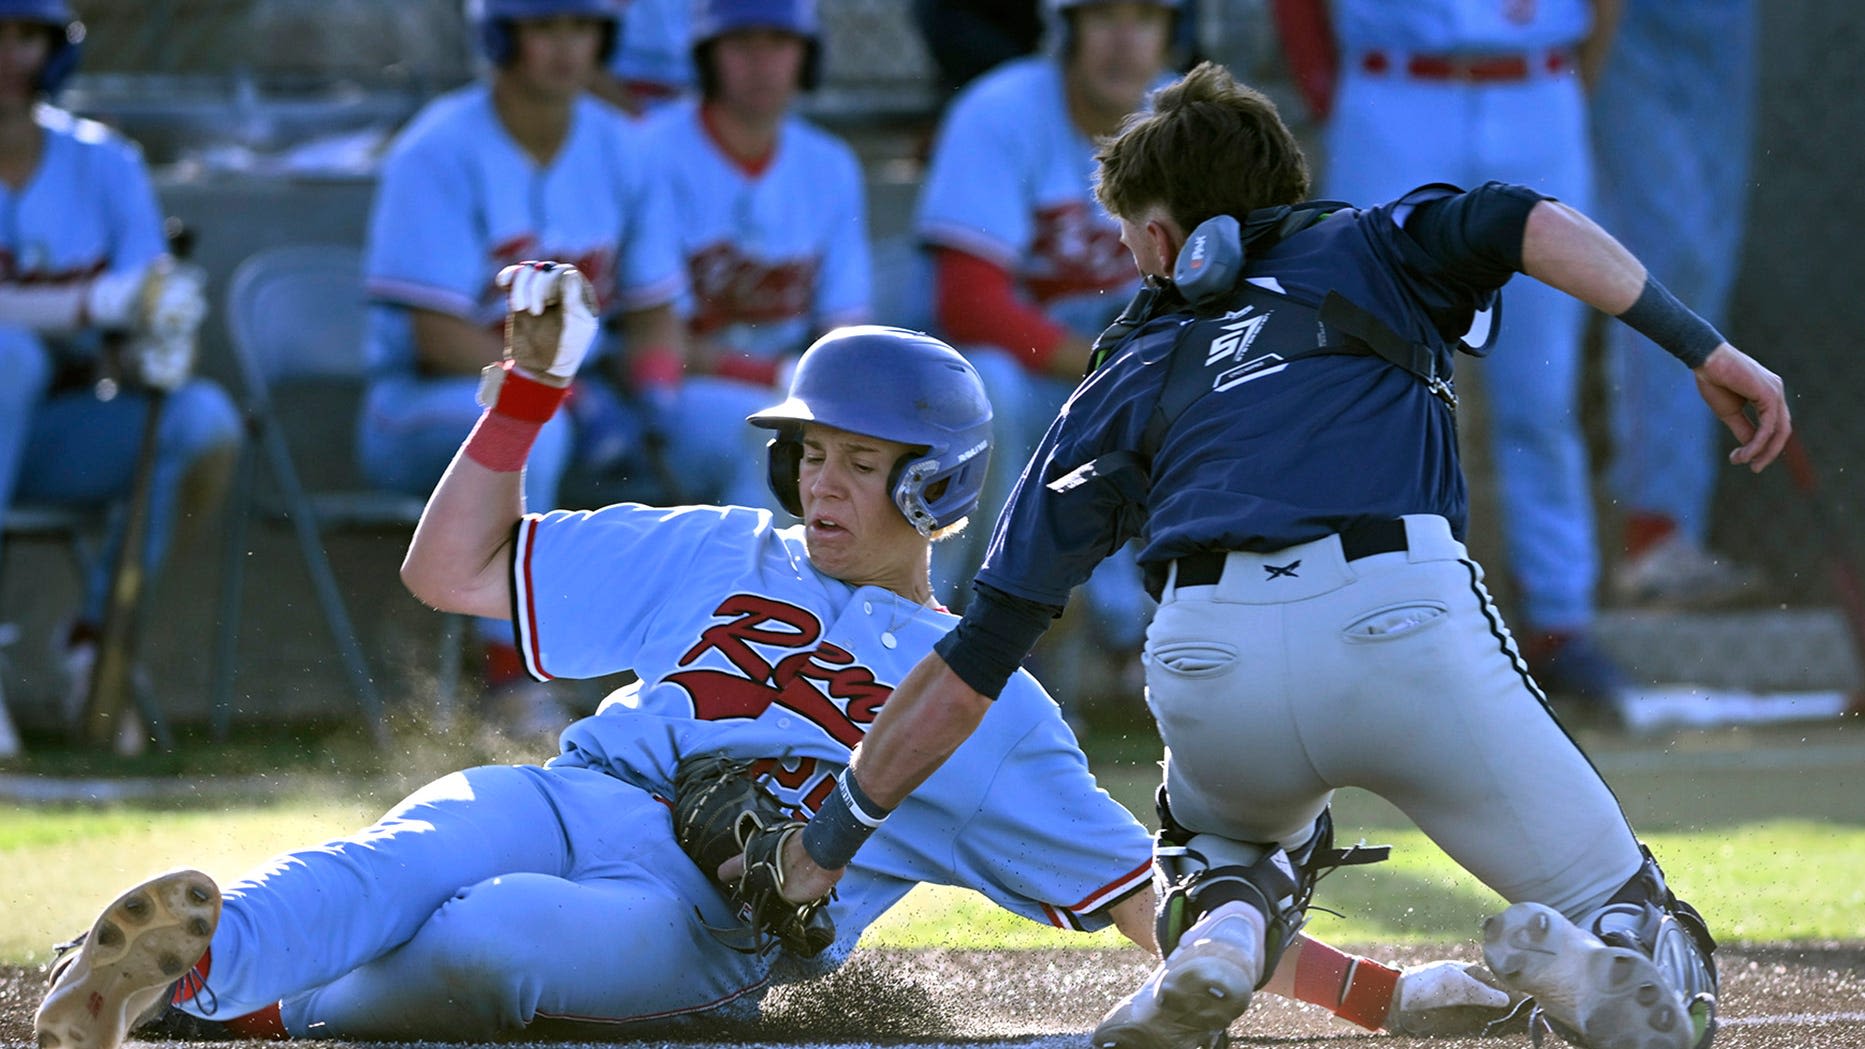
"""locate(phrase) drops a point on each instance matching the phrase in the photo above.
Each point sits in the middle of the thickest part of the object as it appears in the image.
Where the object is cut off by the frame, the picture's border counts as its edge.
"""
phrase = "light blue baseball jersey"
(776, 255)
(459, 200)
(1011, 181)
(1433, 27)
(88, 209)
(743, 647)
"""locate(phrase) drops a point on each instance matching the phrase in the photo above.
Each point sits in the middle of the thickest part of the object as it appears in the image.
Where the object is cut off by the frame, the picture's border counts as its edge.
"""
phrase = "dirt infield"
(1774, 997)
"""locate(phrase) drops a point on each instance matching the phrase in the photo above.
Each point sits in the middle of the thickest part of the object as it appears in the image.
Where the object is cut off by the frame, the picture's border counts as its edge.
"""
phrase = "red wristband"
(525, 398)
(1367, 996)
(501, 443)
(1356, 989)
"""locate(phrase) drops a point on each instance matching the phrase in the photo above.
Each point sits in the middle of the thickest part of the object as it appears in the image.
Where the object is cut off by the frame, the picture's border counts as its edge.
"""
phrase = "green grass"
(1766, 881)
(1767, 849)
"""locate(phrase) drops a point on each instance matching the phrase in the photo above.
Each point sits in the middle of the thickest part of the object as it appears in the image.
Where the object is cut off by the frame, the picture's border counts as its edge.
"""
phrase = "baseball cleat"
(121, 972)
(1595, 996)
(1191, 998)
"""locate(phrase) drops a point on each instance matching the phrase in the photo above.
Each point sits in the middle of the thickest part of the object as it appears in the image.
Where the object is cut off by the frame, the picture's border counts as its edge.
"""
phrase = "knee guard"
(1279, 884)
(1645, 916)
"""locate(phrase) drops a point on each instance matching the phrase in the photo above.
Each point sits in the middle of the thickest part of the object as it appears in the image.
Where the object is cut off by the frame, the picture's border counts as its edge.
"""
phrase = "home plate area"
(1789, 996)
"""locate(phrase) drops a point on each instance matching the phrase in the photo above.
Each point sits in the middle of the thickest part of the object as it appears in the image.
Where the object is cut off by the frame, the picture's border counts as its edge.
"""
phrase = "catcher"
(503, 895)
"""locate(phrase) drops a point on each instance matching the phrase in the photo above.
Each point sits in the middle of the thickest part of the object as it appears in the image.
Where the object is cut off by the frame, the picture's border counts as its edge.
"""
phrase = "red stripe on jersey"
(534, 655)
(1115, 889)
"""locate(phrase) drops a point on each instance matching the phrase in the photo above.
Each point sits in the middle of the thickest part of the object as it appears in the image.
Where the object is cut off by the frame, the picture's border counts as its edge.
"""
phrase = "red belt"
(1471, 69)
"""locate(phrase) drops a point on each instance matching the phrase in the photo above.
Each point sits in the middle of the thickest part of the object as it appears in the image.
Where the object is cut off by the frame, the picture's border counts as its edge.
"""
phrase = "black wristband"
(845, 820)
(1658, 316)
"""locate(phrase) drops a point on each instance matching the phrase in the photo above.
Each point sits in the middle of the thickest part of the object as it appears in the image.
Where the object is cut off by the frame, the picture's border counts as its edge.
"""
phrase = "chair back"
(296, 312)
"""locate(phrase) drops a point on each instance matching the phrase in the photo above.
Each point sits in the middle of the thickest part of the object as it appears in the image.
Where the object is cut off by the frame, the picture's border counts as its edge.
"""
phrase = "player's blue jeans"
(409, 429)
(1023, 404)
(1390, 134)
(1672, 126)
(71, 448)
(484, 901)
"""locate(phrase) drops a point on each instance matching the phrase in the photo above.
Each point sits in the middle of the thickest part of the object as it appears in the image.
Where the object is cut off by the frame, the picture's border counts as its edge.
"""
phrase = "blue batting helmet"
(901, 386)
(67, 37)
(715, 18)
(491, 21)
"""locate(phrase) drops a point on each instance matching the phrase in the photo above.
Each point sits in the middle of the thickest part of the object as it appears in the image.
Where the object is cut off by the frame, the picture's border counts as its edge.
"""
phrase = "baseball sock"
(1644, 530)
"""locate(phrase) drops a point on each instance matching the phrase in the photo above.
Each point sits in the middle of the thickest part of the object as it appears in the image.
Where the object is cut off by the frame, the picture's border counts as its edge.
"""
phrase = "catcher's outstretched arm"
(1563, 248)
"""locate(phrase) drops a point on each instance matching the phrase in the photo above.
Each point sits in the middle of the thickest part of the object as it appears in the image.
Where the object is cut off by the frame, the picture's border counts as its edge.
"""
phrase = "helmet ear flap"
(784, 460)
(495, 41)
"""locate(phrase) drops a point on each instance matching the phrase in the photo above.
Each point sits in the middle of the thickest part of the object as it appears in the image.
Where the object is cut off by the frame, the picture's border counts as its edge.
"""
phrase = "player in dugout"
(502, 896)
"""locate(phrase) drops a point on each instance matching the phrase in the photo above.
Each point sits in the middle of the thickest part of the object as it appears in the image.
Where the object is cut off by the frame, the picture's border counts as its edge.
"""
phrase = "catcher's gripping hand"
(721, 812)
(550, 318)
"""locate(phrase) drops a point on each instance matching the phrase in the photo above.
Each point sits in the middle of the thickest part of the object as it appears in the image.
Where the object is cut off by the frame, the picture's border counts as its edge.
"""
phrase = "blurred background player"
(653, 61)
(1027, 267)
(1465, 91)
(968, 38)
(771, 216)
(519, 164)
(1673, 120)
(83, 265)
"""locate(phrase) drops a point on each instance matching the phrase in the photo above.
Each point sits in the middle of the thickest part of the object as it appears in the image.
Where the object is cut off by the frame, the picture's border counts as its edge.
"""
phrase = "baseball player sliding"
(499, 896)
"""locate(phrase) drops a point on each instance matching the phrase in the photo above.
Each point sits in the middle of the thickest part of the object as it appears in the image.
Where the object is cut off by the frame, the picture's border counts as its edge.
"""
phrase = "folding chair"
(295, 317)
(79, 530)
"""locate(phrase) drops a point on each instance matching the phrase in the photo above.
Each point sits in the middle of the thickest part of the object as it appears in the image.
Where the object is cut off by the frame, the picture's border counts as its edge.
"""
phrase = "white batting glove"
(550, 318)
(174, 302)
(1446, 998)
(114, 299)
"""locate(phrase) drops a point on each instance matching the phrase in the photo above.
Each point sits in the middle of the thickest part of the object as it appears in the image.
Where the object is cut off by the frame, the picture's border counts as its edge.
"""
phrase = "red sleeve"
(978, 302)
(1310, 50)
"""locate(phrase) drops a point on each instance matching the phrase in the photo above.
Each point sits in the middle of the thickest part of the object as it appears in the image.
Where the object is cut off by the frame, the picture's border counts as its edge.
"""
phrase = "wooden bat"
(113, 691)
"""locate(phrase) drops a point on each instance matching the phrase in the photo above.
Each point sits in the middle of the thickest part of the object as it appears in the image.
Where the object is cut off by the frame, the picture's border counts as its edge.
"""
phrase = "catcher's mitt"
(720, 811)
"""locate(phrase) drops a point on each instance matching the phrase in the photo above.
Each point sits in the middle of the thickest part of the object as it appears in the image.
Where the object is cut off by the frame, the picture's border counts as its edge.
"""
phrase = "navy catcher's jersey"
(1279, 451)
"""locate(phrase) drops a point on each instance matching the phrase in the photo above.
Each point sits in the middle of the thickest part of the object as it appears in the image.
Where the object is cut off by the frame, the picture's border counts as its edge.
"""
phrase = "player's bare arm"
(449, 345)
(1565, 249)
(460, 557)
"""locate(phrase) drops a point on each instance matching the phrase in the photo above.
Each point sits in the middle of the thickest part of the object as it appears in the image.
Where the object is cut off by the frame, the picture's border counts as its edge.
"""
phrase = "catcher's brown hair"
(1209, 146)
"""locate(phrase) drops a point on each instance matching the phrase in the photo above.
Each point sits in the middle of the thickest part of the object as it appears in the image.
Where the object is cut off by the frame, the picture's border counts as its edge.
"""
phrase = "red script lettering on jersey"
(819, 682)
